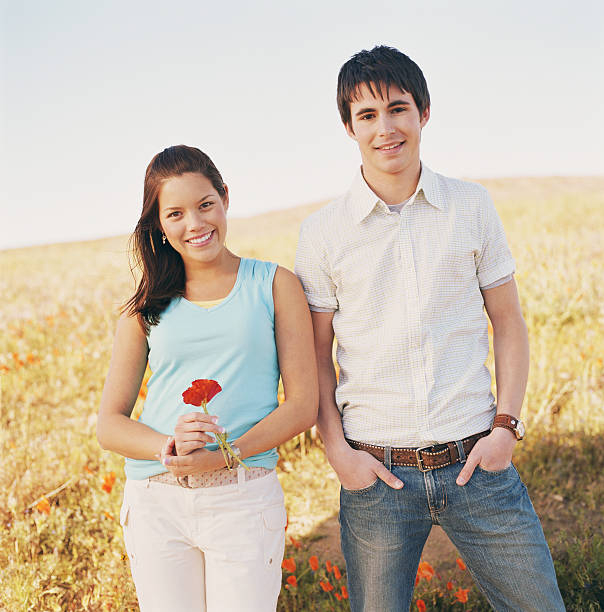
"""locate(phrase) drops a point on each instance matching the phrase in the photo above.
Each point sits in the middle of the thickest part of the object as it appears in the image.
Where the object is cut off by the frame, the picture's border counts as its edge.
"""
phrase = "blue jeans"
(490, 520)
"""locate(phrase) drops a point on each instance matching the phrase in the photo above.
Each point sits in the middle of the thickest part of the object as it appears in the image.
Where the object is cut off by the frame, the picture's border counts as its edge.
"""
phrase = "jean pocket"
(274, 519)
(494, 472)
(363, 490)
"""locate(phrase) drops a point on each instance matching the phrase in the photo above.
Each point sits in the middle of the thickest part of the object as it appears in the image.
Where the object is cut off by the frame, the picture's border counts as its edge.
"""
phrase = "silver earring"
(163, 239)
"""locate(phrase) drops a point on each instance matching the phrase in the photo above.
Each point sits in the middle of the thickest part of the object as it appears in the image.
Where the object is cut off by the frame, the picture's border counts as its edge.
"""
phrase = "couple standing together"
(399, 270)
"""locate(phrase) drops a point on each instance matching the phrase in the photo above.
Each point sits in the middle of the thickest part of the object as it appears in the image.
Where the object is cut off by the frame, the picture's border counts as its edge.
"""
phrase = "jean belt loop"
(460, 451)
(388, 457)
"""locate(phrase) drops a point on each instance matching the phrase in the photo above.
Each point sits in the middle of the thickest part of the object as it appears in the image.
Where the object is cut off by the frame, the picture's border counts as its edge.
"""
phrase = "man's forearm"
(329, 421)
(511, 349)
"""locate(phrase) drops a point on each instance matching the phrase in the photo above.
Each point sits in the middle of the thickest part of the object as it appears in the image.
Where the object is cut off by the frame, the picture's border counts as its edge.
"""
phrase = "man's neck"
(393, 188)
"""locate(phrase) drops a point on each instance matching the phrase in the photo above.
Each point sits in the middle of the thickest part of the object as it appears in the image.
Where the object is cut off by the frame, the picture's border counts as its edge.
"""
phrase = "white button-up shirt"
(409, 320)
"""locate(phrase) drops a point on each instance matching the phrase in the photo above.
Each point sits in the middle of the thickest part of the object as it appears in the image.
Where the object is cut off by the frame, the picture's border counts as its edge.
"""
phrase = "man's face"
(388, 130)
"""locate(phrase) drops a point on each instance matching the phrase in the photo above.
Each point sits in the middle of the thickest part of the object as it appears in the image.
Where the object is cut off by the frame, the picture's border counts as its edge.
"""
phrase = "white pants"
(207, 549)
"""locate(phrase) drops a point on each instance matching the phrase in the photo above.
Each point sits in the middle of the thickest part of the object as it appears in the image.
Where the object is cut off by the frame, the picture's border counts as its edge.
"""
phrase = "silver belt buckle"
(420, 461)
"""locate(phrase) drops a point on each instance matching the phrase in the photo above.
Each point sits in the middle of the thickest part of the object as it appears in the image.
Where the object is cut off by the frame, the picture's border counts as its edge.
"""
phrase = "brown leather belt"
(426, 458)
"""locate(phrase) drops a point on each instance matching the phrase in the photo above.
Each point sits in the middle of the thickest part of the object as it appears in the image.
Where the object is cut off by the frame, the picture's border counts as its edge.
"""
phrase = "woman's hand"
(200, 460)
(189, 432)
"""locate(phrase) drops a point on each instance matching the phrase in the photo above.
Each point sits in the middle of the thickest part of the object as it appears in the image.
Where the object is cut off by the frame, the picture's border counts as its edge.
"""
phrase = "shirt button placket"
(414, 325)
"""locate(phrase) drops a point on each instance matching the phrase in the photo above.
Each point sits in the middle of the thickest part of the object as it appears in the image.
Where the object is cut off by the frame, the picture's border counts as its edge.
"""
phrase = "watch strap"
(508, 422)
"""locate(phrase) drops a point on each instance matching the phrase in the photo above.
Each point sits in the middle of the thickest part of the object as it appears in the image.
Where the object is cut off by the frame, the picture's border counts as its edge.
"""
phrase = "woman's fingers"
(198, 425)
(197, 416)
(194, 436)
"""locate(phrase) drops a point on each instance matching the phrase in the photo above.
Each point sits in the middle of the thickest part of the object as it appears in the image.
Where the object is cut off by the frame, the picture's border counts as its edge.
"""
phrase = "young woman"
(200, 536)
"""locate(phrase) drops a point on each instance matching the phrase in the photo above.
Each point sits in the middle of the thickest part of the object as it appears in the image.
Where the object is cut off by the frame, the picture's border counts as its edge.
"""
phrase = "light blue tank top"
(232, 343)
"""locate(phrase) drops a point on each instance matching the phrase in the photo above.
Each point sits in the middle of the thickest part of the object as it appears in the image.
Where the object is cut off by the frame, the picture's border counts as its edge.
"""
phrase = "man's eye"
(367, 116)
(398, 109)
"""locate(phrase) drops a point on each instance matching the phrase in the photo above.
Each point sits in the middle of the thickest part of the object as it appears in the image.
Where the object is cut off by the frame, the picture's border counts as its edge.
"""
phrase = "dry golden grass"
(58, 314)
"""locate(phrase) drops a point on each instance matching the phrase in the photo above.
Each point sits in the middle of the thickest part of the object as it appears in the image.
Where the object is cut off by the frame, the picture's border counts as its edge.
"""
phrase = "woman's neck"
(211, 280)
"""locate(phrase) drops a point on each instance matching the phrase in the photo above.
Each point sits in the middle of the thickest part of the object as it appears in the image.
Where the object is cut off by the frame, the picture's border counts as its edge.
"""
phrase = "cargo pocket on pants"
(274, 519)
(126, 523)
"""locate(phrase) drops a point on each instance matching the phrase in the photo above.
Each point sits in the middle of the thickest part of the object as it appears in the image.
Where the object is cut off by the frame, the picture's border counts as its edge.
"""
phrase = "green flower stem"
(225, 447)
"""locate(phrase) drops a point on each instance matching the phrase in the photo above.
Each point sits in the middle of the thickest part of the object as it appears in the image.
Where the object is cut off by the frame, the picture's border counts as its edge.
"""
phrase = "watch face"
(520, 430)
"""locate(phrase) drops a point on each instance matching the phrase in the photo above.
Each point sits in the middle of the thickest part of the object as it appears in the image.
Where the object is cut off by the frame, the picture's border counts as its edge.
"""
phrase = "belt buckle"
(420, 461)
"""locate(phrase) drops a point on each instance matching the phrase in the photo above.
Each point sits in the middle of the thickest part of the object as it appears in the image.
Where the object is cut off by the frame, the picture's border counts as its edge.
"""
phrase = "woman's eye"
(206, 204)
(174, 214)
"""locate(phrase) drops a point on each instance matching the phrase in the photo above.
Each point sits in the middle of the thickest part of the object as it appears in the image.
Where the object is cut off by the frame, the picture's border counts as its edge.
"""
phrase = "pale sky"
(90, 91)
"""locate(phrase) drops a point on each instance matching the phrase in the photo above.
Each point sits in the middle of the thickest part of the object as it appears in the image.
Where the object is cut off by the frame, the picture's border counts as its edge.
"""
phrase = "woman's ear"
(225, 200)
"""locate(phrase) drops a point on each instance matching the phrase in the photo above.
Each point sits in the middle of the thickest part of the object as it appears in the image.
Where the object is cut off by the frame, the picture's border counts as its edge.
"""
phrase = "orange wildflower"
(314, 563)
(461, 595)
(336, 572)
(326, 585)
(461, 564)
(43, 506)
(421, 605)
(292, 580)
(450, 586)
(4, 368)
(344, 592)
(108, 482)
(295, 542)
(328, 566)
(109, 516)
(416, 579)
(289, 565)
(338, 596)
(425, 570)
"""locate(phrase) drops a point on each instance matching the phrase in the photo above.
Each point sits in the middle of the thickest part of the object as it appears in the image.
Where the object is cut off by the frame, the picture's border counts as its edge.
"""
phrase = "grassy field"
(61, 546)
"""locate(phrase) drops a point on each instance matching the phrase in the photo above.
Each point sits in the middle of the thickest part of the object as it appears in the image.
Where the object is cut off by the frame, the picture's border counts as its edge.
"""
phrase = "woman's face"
(192, 215)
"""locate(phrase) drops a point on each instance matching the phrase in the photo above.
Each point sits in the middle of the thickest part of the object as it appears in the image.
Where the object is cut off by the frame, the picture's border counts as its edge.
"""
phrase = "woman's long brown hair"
(163, 272)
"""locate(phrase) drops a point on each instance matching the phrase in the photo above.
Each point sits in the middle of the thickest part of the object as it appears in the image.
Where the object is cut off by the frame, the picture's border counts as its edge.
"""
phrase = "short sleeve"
(313, 270)
(495, 260)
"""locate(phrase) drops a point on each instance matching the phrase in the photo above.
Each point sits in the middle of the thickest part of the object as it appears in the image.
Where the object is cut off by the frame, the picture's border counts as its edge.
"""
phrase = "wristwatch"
(514, 424)
(232, 461)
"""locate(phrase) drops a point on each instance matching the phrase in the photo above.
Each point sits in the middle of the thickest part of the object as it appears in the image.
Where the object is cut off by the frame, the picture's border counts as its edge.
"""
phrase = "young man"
(401, 269)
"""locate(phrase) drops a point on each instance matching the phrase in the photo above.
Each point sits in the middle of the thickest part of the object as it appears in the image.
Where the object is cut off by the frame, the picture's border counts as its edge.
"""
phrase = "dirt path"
(439, 551)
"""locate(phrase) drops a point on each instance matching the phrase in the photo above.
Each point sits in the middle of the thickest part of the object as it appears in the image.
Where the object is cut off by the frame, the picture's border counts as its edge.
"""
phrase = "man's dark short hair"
(379, 69)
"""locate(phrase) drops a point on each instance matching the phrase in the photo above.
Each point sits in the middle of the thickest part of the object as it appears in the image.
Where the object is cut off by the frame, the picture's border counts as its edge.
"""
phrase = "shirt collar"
(363, 200)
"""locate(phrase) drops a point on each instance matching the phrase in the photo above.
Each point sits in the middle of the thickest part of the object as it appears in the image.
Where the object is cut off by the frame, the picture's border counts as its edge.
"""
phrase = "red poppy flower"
(326, 586)
(450, 586)
(336, 572)
(108, 481)
(289, 565)
(344, 592)
(338, 596)
(292, 580)
(328, 566)
(461, 564)
(462, 595)
(295, 542)
(314, 563)
(201, 392)
(421, 605)
(425, 570)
